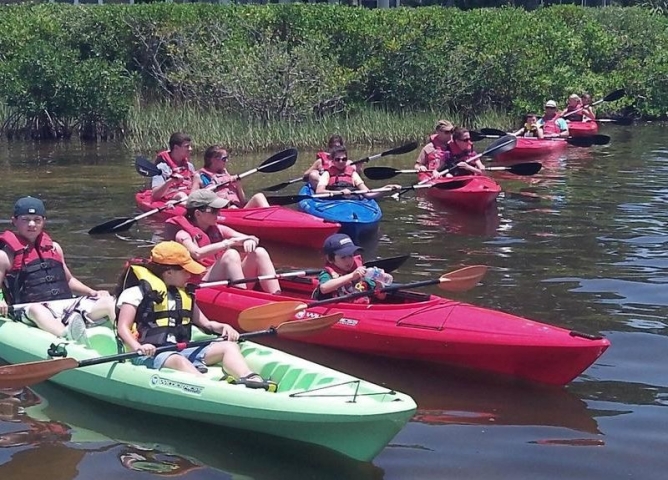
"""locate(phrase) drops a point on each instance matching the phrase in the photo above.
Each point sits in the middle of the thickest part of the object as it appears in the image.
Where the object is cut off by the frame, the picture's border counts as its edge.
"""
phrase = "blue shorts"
(194, 354)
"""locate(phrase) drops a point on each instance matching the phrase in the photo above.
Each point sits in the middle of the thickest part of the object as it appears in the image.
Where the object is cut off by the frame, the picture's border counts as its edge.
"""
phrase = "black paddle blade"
(600, 139)
(503, 144)
(493, 131)
(477, 136)
(112, 226)
(409, 147)
(528, 168)
(388, 264)
(616, 95)
(279, 161)
(146, 168)
(580, 141)
(381, 173)
(282, 200)
(453, 184)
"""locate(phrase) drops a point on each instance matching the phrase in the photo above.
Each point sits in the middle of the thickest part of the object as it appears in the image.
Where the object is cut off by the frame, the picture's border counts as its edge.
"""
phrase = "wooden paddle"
(387, 264)
(277, 162)
(26, 374)
(456, 281)
(384, 173)
(587, 141)
(409, 147)
(291, 199)
(610, 97)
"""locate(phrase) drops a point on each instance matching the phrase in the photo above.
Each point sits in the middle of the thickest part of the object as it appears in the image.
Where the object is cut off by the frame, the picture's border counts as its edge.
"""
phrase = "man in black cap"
(33, 272)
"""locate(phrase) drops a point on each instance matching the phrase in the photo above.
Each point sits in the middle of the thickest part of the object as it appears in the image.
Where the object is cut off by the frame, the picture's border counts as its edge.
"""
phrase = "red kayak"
(582, 129)
(528, 147)
(272, 224)
(428, 328)
(476, 196)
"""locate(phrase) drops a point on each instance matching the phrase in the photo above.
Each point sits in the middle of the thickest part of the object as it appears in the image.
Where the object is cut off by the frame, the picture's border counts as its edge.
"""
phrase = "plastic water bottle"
(379, 276)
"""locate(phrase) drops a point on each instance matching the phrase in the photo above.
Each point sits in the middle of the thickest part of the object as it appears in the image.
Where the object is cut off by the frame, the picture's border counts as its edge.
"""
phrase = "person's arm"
(197, 252)
(564, 133)
(359, 183)
(222, 329)
(589, 113)
(520, 132)
(5, 266)
(160, 184)
(77, 286)
(317, 165)
(196, 183)
(333, 284)
(421, 162)
(323, 182)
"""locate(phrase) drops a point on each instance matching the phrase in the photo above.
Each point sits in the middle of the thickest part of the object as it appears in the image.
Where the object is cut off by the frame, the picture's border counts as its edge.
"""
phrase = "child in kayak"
(154, 303)
(344, 272)
(530, 127)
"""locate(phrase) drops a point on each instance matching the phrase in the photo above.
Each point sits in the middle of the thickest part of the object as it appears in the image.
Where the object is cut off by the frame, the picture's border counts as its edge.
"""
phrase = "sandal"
(267, 385)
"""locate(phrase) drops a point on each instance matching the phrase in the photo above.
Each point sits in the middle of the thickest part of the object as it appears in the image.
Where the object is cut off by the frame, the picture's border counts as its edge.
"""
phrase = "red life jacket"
(37, 274)
(361, 285)
(325, 160)
(550, 126)
(454, 156)
(575, 117)
(183, 169)
(228, 192)
(436, 156)
(200, 237)
(338, 180)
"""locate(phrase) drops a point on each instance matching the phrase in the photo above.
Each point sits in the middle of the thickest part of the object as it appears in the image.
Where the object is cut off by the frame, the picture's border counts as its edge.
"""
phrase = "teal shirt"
(325, 276)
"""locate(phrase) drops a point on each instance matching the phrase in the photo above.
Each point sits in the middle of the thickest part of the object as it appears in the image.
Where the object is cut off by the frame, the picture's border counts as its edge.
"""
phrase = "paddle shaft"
(394, 151)
(387, 264)
(368, 293)
(612, 96)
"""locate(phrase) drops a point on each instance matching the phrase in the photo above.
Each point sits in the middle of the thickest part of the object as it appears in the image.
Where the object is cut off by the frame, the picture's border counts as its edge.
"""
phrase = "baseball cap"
(176, 255)
(29, 206)
(205, 198)
(551, 104)
(340, 244)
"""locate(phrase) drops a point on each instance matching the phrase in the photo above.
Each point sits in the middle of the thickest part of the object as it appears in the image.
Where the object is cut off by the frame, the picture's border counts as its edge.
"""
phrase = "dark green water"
(580, 245)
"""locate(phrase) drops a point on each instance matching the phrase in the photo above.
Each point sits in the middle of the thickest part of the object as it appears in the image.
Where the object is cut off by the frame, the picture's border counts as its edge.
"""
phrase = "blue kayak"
(358, 217)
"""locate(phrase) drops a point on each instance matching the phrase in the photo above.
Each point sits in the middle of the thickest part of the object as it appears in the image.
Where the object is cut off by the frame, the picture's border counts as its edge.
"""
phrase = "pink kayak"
(427, 328)
(272, 224)
(527, 147)
(476, 196)
(582, 129)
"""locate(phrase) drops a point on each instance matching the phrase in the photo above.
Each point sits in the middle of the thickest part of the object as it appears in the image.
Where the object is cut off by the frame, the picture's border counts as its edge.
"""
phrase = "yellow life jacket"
(156, 323)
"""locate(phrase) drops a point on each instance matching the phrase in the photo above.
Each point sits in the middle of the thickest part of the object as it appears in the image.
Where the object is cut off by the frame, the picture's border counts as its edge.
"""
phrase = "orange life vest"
(183, 169)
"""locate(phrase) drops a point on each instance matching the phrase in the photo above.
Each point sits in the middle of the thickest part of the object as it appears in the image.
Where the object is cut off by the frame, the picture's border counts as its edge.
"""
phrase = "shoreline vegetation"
(258, 77)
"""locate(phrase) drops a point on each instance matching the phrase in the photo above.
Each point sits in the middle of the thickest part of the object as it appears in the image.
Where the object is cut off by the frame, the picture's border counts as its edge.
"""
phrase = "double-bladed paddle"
(610, 97)
(409, 147)
(384, 173)
(291, 199)
(388, 264)
(26, 374)
(456, 281)
(587, 141)
(277, 162)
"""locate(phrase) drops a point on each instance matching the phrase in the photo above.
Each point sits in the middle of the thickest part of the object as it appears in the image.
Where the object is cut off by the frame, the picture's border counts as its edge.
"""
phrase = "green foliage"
(70, 67)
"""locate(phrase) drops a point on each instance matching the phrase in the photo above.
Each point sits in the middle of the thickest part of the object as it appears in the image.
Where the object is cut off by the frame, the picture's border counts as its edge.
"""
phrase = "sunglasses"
(464, 139)
(449, 132)
(341, 159)
(210, 210)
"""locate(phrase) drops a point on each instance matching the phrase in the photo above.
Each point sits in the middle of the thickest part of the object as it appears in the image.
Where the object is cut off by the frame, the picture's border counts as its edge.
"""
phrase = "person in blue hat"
(344, 272)
(33, 274)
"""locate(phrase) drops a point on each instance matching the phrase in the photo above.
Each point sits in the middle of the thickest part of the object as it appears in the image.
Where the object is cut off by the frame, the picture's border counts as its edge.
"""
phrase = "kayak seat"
(103, 340)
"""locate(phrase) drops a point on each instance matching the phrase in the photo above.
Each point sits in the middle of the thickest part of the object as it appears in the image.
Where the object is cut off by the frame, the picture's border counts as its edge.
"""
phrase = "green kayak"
(313, 404)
